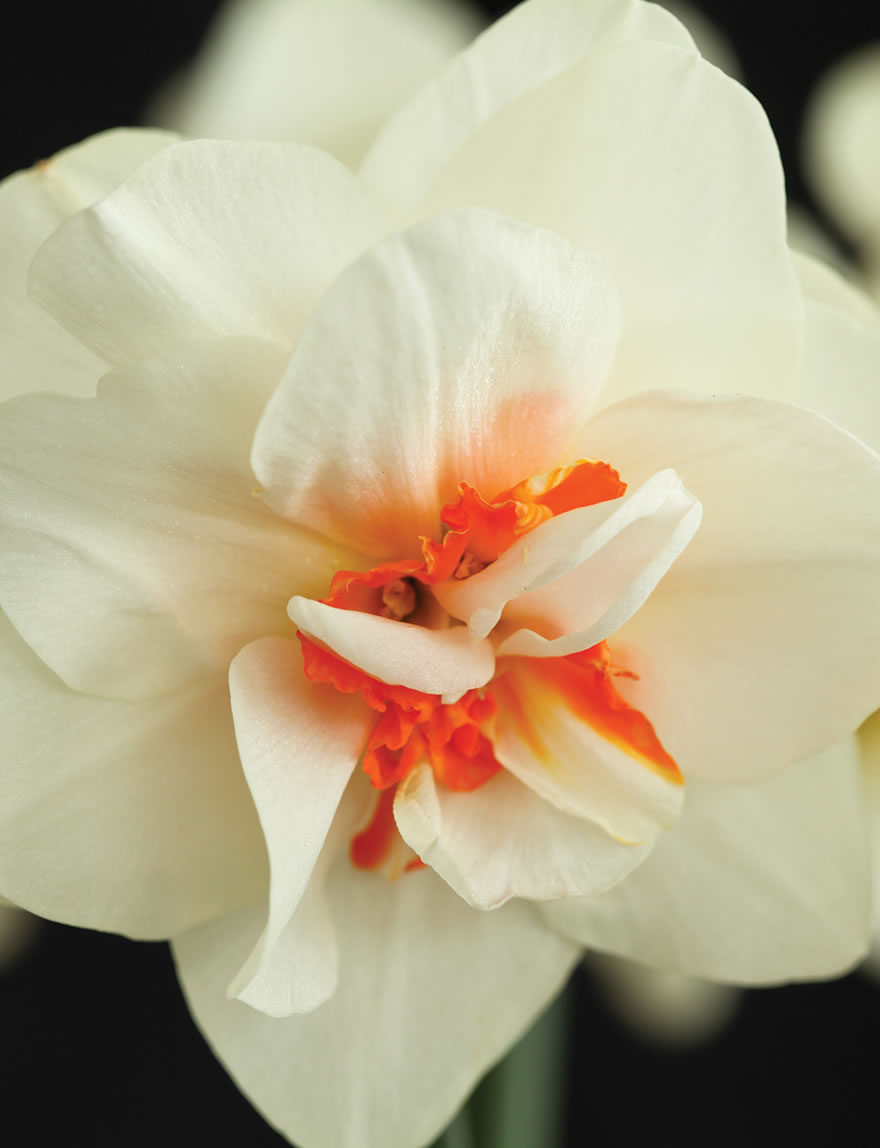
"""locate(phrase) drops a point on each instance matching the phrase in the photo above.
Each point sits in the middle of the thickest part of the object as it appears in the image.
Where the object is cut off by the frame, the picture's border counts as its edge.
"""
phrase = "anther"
(399, 599)
(468, 564)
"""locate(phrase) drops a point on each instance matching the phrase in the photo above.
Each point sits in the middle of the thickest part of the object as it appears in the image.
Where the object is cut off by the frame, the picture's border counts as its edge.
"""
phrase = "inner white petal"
(593, 600)
(568, 574)
(449, 661)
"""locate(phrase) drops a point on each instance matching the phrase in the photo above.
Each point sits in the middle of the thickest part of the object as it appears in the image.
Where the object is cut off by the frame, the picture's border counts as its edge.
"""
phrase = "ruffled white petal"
(578, 577)
(127, 817)
(562, 758)
(680, 191)
(762, 644)
(38, 354)
(322, 72)
(743, 890)
(430, 994)
(299, 745)
(467, 349)
(435, 661)
(503, 841)
(135, 549)
(207, 239)
(530, 45)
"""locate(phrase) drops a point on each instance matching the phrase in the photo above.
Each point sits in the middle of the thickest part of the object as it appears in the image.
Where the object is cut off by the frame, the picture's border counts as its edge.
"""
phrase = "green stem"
(520, 1104)
(459, 1134)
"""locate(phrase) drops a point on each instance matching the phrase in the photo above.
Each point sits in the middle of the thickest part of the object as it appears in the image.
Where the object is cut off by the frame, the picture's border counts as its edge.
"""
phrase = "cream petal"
(578, 577)
(135, 552)
(299, 745)
(502, 841)
(467, 349)
(205, 240)
(841, 375)
(430, 994)
(434, 661)
(761, 645)
(563, 759)
(824, 283)
(742, 890)
(841, 371)
(322, 72)
(37, 354)
(127, 817)
(707, 307)
(530, 45)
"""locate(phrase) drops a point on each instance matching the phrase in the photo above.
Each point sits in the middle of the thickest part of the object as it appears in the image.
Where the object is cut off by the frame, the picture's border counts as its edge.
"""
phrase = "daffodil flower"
(385, 629)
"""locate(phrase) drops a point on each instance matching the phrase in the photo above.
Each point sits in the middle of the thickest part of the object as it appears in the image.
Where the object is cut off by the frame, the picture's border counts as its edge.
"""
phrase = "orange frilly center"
(456, 738)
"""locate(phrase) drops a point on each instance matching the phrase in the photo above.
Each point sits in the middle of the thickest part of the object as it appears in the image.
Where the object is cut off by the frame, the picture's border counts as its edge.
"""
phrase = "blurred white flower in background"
(18, 930)
(321, 72)
(842, 152)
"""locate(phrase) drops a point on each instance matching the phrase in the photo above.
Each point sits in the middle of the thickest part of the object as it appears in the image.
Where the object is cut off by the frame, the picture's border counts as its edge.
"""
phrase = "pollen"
(399, 599)
(468, 565)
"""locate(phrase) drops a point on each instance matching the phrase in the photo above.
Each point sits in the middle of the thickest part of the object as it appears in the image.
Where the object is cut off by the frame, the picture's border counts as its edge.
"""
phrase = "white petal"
(531, 44)
(207, 239)
(502, 841)
(323, 72)
(557, 754)
(842, 144)
(435, 661)
(37, 354)
(467, 349)
(680, 191)
(135, 551)
(756, 885)
(761, 645)
(837, 285)
(128, 817)
(299, 745)
(578, 577)
(430, 994)
(841, 371)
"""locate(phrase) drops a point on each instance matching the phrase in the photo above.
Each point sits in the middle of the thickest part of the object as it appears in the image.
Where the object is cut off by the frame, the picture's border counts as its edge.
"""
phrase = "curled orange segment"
(322, 665)
(370, 848)
(585, 683)
(584, 483)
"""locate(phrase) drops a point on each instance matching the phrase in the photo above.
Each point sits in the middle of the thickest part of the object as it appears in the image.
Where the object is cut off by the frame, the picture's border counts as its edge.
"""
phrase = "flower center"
(455, 735)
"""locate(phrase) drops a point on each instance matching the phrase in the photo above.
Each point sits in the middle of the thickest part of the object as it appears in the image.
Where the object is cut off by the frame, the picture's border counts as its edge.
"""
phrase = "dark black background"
(96, 1046)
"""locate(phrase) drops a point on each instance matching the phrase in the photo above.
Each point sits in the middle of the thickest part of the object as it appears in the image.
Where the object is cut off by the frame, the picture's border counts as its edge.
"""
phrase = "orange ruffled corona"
(456, 738)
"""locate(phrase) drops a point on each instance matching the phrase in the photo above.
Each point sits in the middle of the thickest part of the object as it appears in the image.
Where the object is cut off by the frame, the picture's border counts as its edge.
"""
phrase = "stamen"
(399, 599)
(456, 739)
